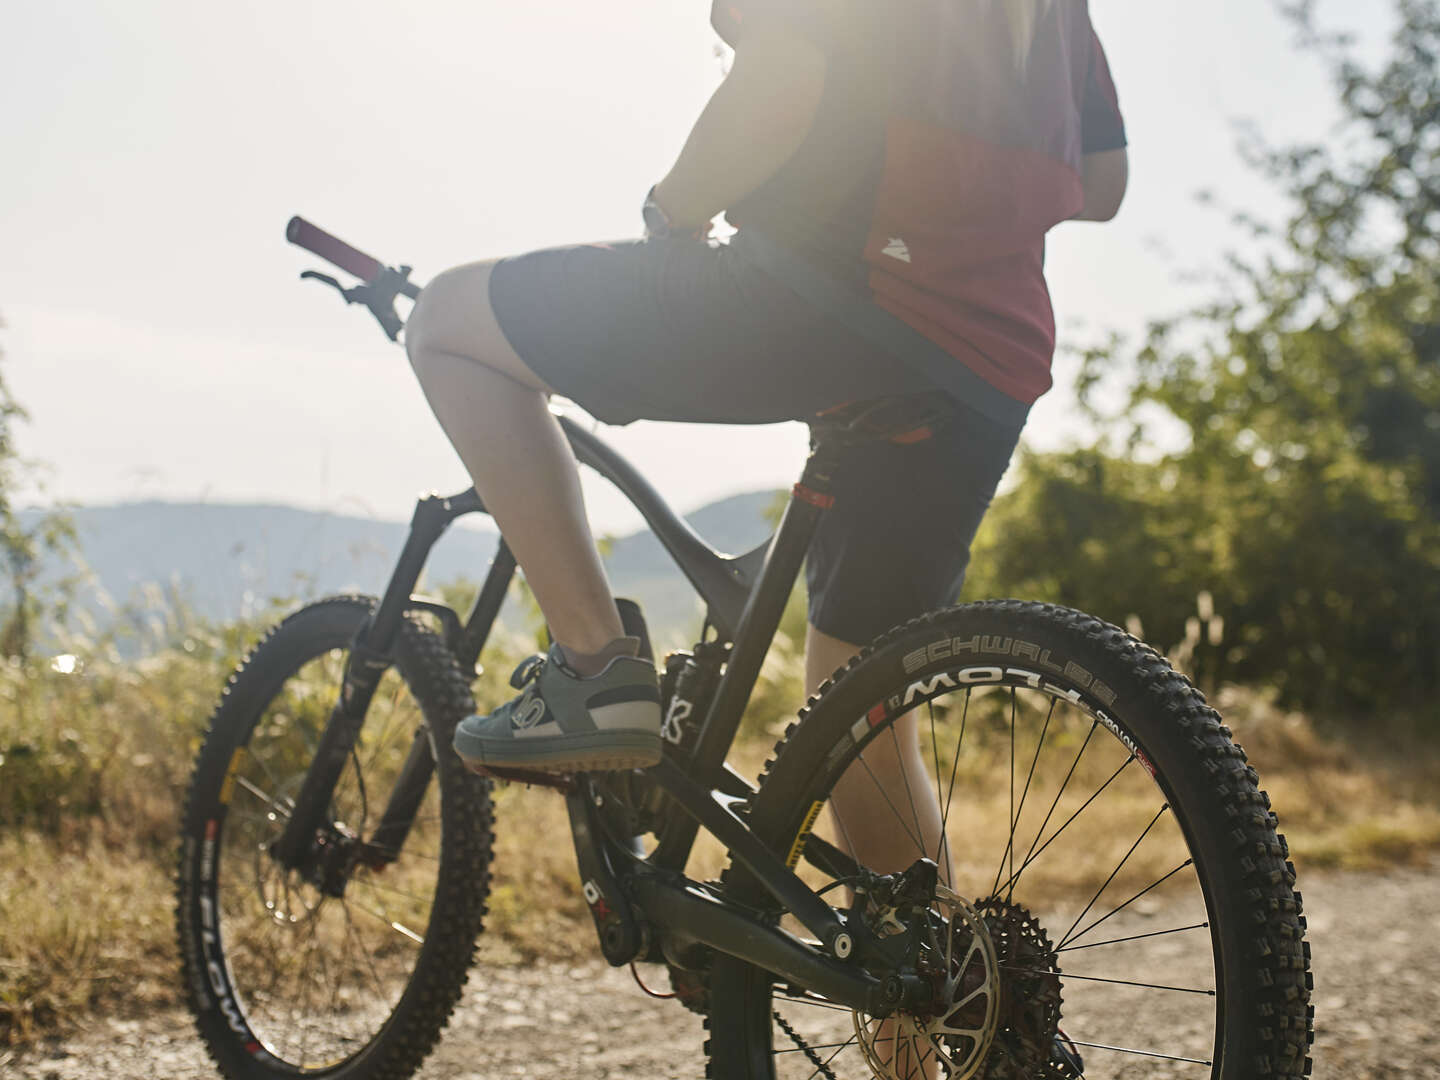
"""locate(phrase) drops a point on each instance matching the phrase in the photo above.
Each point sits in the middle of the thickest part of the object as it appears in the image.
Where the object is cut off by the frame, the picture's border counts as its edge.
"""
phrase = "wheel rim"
(313, 978)
(1058, 830)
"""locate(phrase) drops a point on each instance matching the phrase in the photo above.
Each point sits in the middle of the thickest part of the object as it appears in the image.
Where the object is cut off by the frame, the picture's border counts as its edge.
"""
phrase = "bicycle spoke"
(905, 777)
(1030, 776)
(1132, 937)
(954, 764)
(1132, 899)
(365, 954)
(1063, 785)
(1113, 982)
(1010, 845)
(1141, 1053)
(252, 755)
(409, 852)
(1066, 936)
(942, 855)
(814, 1002)
(369, 884)
(263, 796)
(848, 1042)
(898, 816)
(1016, 876)
(326, 979)
(810, 1046)
(305, 984)
(383, 738)
(400, 928)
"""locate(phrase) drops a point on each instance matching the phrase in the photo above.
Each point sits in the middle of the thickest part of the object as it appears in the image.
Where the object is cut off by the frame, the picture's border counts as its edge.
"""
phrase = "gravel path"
(1377, 976)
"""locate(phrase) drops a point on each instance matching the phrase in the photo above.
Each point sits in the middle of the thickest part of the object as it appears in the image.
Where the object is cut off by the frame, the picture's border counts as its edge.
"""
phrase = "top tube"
(723, 582)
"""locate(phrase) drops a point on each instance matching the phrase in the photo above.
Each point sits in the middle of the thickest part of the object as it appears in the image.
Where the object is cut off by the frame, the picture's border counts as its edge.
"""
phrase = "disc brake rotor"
(960, 1027)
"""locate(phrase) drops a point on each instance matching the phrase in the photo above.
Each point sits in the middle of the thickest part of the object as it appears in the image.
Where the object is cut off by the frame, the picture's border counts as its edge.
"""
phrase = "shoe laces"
(527, 671)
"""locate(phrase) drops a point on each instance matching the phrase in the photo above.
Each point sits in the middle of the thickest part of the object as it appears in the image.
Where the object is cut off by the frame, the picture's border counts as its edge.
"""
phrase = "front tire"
(1082, 781)
(284, 977)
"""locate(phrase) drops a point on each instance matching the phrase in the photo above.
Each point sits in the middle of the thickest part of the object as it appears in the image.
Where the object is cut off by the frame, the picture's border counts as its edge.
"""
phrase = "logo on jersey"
(897, 249)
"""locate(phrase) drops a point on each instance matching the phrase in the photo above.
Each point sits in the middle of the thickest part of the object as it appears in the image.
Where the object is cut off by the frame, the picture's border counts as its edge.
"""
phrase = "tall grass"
(95, 753)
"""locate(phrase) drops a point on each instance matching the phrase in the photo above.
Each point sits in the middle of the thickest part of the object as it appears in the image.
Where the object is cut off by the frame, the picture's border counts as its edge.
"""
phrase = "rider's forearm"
(753, 124)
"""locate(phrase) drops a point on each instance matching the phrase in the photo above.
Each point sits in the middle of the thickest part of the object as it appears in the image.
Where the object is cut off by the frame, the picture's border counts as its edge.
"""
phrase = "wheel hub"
(995, 1007)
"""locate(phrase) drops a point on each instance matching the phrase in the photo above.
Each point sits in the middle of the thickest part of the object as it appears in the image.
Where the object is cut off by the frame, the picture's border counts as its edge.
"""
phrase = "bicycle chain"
(692, 989)
(820, 1067)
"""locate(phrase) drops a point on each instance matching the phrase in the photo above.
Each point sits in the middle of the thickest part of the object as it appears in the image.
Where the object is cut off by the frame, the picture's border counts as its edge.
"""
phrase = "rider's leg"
(881, 830)
(495, 413)
(886, 809)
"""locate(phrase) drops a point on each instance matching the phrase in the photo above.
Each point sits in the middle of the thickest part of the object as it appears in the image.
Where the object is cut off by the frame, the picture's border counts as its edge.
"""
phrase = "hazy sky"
(152, 151)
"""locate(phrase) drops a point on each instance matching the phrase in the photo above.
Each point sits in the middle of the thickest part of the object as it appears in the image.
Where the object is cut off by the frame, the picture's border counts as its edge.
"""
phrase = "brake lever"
(378, 296)
(327, 280)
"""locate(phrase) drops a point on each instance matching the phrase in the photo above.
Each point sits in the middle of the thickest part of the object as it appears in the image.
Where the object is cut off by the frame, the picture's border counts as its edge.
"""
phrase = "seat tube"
(809, 500)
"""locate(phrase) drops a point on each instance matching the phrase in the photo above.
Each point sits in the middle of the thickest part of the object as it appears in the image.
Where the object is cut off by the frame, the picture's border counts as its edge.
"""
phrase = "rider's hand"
(658, 224)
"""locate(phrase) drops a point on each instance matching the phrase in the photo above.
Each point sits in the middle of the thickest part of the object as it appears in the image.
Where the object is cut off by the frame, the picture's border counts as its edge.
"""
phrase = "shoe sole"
(562, 753)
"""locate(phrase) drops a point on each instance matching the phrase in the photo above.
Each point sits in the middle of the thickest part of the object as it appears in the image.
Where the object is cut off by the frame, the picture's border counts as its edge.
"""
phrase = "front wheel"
(1113, 887)
(348, 967)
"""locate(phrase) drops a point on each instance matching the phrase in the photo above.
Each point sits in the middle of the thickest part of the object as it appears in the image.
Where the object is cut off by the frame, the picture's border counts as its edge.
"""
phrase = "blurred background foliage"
(1284, 549)
(1305, 495)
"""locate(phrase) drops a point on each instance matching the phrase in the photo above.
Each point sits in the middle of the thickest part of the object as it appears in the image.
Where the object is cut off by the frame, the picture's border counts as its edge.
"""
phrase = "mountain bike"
(1107, 876)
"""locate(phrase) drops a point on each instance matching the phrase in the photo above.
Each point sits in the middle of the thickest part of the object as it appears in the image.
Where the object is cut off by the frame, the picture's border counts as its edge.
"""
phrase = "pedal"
(562, 782)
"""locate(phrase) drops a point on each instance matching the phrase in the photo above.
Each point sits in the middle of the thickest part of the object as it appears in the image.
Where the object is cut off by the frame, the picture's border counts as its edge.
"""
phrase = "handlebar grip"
(333, 250)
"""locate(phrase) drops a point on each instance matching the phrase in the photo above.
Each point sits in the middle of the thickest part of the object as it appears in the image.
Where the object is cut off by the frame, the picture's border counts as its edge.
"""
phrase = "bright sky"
(152, 152)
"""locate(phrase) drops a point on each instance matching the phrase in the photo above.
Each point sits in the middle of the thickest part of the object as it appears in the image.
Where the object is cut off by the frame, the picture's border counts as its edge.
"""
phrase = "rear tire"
(1030, 679)
(282, 978)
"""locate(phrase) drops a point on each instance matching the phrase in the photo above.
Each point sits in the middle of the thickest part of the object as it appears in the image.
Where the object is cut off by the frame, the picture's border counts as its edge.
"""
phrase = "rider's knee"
(439, 320)
(421, 326)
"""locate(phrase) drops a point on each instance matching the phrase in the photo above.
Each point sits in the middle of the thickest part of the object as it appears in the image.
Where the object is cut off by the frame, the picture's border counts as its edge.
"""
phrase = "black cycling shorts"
(686, 331)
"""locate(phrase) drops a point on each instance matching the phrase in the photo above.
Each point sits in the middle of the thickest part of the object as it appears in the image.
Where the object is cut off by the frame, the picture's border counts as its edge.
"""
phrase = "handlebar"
(381, 283)
(334, 250)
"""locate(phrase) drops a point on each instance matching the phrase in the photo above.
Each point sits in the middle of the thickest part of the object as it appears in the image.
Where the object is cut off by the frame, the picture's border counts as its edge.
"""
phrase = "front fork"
(309, 829)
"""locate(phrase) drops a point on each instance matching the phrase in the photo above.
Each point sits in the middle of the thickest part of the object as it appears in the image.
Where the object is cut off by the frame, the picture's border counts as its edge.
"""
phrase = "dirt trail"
(1377, 975)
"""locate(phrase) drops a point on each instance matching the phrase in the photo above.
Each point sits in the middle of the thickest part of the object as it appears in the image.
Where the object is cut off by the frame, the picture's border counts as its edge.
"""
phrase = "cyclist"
(892, 168)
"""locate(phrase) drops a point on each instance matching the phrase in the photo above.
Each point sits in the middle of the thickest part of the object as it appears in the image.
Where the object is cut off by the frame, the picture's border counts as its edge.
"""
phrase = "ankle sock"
(587, 665)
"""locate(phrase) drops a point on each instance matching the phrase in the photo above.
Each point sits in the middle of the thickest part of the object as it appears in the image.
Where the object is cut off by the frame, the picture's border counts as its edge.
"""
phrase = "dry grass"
(1364, 802)
(87, 925)
(93, 764)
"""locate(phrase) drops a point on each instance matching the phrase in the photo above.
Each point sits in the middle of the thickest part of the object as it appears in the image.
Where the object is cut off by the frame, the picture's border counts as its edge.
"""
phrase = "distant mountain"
(228, 560)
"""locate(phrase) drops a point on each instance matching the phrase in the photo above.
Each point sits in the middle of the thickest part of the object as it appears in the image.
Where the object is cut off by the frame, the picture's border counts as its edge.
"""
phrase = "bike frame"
(745, 597)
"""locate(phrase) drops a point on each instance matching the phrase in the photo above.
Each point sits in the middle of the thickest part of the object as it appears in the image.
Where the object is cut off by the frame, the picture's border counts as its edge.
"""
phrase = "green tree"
(22, 545)
(1307, 495)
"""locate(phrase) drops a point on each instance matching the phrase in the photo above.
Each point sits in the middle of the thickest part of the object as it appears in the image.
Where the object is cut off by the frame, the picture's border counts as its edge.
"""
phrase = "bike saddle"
(904, 419)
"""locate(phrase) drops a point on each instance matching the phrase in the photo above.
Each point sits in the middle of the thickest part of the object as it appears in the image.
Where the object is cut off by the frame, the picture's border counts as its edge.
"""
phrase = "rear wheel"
(1115, 884)
(351, 967)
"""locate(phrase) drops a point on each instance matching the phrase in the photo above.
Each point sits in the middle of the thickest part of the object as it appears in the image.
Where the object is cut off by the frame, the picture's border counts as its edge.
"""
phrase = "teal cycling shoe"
(564, 723)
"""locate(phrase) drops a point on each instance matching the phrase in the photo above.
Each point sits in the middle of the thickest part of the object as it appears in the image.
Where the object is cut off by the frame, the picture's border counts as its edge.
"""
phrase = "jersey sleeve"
(1102, 126)
(818, 20)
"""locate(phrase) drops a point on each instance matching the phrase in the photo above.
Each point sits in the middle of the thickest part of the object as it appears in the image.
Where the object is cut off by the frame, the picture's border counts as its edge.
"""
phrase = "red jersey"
(933, 170)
